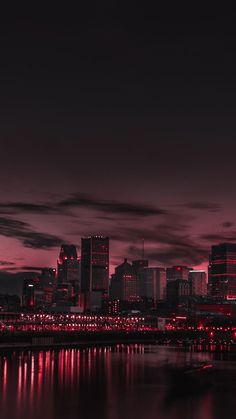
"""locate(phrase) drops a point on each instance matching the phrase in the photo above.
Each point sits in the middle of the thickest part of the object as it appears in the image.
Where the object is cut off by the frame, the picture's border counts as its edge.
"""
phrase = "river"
(124, 381)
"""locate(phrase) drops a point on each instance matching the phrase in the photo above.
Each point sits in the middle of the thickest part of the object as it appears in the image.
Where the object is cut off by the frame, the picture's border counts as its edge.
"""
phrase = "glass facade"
(222, 271)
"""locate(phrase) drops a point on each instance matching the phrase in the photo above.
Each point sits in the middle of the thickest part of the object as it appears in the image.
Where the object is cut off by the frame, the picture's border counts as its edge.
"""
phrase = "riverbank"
(197, 340)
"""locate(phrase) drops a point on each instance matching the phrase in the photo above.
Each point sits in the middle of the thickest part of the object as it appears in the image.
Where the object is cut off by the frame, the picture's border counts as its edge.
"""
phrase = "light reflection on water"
(109, 383)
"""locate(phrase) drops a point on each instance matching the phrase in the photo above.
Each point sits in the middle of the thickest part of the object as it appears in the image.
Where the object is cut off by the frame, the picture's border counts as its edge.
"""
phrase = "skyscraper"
(124, 283)
(152, 283)
(198, 284)
(94, 270)
(178, 292)
(177, 272)
(68, 268)
(222, 271)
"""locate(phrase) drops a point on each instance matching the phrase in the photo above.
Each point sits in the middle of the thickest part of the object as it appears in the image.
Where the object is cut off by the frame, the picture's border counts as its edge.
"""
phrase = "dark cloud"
(165, 244)
(110, 218)
(174, 226)
(32, 268)
(22, 231)
(41, 240)
(227, 224)
(5, 263)
(202, 205)
(107, 206)
(187, 254)
(81, 201)
(163, 233)
(25, 207)
(219, 238)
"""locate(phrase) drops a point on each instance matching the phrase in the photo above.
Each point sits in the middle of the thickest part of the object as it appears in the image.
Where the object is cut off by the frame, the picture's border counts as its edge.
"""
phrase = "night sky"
(117, 119)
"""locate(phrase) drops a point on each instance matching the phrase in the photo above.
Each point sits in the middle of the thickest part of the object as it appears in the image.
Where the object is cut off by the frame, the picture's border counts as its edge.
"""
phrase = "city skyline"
(132, 249)
(12, 281)
(117, 210)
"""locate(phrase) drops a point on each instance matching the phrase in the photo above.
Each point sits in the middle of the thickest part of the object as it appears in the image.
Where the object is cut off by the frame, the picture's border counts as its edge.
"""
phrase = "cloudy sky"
(117, 121)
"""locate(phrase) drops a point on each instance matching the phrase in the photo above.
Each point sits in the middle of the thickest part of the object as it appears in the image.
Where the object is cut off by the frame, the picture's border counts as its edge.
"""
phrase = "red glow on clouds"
(125, 238)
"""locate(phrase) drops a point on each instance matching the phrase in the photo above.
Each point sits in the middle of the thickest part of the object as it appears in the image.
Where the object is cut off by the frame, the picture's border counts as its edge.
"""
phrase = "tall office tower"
(152, 283)
(68, 268)
(48, 285)
(198, 283)
(124, 283)
(222, 271)
(94, 271)
(177, 272)
(178, 292)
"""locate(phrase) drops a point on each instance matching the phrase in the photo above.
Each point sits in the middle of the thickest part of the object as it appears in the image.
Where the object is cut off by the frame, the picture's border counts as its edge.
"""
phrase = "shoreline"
(188, 341)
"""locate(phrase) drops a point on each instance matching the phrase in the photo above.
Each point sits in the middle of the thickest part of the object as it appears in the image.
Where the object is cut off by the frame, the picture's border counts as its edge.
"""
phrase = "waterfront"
(124, 381)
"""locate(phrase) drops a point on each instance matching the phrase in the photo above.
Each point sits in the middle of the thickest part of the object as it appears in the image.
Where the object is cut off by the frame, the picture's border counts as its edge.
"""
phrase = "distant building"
(64, 294)
(9, 302)
(222, 271)
(198, 283)
(124, 283)
(94, 271)
(68, 269)
(152, 283)
(178, 292)
(29, 292)
(48, 285)
(177, 272)
(111, 307)
(39, 291)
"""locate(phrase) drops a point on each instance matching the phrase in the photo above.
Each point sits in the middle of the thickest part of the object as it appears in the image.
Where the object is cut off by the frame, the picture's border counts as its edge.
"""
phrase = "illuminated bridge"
(38, 322)
(26, 330)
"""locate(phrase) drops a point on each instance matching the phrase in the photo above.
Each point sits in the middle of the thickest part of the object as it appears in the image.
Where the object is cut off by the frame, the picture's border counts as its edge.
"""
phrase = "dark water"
(110, 383)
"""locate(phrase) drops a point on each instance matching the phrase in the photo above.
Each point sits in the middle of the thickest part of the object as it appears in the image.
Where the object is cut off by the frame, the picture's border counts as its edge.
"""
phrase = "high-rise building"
(152, 283)
(177, 272)
(39, 289)
(94, 270)
(222, 271)
(68, 268)
(178, 292)
(198, 283)
(124, 283)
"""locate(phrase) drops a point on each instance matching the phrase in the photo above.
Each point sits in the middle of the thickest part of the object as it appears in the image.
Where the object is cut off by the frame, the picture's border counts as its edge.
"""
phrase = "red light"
(211, 334)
